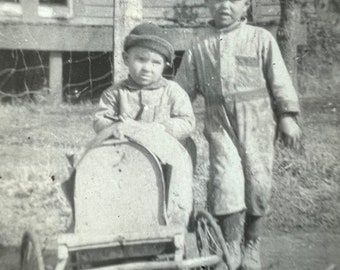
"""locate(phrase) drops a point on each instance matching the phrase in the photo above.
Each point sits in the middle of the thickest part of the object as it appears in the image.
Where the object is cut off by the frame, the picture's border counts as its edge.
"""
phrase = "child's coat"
(164, 102)
(165, 108)
(242, 76)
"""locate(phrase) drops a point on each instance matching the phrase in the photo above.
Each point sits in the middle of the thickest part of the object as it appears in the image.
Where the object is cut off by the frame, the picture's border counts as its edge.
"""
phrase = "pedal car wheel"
(30, 253)
(209, 237)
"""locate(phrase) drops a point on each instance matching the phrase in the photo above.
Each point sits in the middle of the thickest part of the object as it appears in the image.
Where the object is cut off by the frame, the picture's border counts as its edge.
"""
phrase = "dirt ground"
(302, 251)
(302, 233)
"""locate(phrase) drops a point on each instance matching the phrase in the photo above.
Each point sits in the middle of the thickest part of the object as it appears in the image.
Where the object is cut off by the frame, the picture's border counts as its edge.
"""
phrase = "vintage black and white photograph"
(169, 134)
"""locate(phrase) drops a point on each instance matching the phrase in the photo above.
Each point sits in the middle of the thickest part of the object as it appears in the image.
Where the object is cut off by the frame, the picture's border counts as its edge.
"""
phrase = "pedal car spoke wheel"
(30, 253)
(209, 237)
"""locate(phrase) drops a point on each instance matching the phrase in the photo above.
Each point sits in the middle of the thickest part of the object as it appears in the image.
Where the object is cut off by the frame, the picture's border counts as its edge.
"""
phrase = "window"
(53, 2)
(55, 8)
(9, 8)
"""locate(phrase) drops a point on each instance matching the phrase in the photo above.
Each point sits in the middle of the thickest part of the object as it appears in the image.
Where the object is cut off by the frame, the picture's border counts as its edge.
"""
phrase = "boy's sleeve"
(278, 78)
(182, 121)
(186, 75)
(107, 112)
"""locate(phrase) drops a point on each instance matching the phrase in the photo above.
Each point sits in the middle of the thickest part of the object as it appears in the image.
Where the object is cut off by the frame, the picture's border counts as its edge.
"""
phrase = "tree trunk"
(287, 35)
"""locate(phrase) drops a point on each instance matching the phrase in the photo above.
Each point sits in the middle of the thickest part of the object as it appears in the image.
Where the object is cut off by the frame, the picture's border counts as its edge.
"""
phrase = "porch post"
(30, 9)
(56, 76)
(127, 14)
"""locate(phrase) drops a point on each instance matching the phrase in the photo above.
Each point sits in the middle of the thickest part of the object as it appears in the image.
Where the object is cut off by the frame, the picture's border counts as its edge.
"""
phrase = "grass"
(306, 190)
(35, 138)
(305, 185)
(34, 141)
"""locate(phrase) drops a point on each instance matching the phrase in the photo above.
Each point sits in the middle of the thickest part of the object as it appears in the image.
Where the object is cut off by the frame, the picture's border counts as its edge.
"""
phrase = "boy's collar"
(132, 85)
(227, 29)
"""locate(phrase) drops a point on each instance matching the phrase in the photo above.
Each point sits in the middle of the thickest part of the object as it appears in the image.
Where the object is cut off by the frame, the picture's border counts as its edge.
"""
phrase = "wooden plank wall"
(93, 12)
(170, 12)
(91, 21)
(162, 12)
(266, 11)
(175, 12)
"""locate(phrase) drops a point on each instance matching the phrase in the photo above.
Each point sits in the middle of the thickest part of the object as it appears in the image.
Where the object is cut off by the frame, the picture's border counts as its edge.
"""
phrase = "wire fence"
(25, 74)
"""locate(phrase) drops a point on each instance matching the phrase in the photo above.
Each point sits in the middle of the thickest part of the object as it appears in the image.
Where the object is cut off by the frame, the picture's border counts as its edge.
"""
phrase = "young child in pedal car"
(146, 100)
(145, 96)
(239, 70)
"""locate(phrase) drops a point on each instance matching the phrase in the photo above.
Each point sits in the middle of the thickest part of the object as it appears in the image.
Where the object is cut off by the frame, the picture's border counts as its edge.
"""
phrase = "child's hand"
(118, 130)
(290, 131)
(128, 125)
(129, 122)
(125, 125)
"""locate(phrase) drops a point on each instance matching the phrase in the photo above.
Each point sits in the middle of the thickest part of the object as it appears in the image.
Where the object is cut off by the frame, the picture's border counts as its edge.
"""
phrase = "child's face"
(145, 66)
(226, 12)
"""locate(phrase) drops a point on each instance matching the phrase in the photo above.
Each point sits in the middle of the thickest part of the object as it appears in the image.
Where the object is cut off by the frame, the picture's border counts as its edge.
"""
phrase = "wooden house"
(57, 26)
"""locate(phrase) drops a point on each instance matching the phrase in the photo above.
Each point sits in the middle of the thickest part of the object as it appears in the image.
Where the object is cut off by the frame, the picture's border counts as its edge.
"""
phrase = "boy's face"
(145, 66)
(227, 12)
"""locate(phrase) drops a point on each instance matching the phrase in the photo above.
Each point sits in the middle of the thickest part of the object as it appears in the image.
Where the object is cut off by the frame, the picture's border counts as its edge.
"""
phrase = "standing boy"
(239, 70)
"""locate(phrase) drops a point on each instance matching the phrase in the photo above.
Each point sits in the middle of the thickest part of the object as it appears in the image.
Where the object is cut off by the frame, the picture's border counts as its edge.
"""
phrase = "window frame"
(63, 11)
(10, 8)
(53, 4)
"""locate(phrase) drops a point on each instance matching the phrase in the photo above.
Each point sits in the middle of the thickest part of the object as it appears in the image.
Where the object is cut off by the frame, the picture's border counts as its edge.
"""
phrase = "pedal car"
(132, 209)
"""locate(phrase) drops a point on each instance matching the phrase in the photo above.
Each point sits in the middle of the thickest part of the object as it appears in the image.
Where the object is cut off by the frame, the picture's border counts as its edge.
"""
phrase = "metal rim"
(210, 240)
(30, 253)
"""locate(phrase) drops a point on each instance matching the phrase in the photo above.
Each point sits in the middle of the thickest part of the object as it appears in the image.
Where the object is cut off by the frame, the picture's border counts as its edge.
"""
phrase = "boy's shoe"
(251, 256)
(235, 255)
(232, 227)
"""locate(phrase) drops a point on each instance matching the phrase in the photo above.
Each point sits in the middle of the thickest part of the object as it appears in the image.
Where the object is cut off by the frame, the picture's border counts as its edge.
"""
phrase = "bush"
(320, 60)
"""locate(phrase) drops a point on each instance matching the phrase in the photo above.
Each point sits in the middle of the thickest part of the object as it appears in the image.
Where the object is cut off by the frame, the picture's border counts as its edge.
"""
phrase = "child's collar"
(132, 85)
(227, 29)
